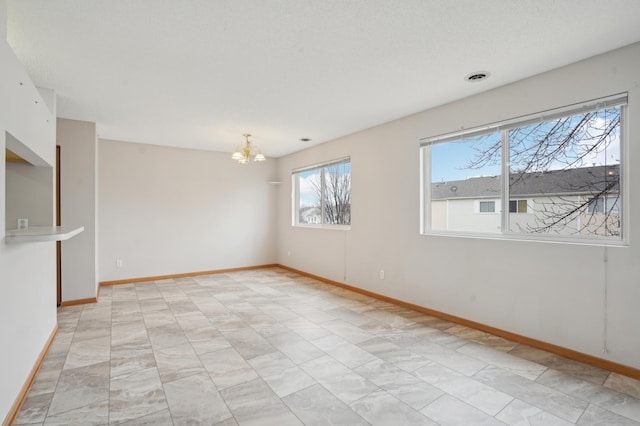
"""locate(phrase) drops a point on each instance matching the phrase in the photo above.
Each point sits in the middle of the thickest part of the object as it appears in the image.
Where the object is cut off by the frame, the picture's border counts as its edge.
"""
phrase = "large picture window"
(558, 174)
(322, 194)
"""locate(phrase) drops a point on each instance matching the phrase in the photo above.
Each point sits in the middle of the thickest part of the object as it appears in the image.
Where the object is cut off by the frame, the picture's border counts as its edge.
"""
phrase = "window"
(322, 194)
(487, 206)
(603, 205)
(559, 173)
(517, 206)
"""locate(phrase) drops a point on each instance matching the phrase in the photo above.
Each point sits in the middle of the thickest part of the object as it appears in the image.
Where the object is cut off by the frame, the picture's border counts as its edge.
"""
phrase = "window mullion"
(295, 196)
(425, 190)
(506, 170)
(323, 189)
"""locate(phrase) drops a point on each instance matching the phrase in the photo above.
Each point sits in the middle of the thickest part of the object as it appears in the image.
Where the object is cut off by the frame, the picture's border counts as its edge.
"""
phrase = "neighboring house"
(311, 215)
(579, 201)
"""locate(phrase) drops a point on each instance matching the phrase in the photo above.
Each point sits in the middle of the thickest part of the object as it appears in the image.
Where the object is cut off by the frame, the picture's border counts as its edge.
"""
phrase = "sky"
(450, 161)
(307, 193)
(306, 179)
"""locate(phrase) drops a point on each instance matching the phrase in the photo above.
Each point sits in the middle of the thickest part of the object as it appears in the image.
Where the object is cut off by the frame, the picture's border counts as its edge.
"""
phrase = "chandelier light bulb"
(244, 152)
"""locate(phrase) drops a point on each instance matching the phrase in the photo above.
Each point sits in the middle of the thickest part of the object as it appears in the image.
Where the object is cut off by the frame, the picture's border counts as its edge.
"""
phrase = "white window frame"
(295, 195)
(503, 126)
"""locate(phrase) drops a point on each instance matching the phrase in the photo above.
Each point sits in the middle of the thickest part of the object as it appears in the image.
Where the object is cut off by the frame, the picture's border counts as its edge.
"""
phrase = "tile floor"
(270, 347)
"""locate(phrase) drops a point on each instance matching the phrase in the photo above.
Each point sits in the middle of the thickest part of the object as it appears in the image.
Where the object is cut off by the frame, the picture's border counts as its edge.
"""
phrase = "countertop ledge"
(37, 234)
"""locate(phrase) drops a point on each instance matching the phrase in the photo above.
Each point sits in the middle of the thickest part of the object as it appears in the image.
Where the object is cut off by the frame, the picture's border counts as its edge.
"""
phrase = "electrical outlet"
(119, 263)
(23, 223)
(382, 274)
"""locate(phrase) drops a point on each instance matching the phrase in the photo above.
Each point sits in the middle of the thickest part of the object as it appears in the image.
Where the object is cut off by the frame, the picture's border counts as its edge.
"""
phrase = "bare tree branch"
(332, 193)
(566, 143)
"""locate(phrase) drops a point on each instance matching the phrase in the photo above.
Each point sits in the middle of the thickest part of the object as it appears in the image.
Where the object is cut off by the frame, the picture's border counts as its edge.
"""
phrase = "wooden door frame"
(58, 223)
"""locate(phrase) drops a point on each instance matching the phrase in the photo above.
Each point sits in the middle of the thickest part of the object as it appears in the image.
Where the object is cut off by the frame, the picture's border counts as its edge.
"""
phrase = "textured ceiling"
(199, 73)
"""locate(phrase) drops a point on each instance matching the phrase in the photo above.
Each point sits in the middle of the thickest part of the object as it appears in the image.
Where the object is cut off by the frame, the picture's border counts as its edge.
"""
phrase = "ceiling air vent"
(477, 76)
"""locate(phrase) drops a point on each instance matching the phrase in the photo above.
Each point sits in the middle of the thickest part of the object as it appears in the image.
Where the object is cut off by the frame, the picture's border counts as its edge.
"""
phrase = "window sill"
(328, 227)
(532, 238)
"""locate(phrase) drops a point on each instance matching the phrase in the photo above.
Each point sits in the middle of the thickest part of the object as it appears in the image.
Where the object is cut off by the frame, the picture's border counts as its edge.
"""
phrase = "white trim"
(586, 241)
(551, 114)
(320, 165)
(323, 226)
(295, 199)
(625, 223)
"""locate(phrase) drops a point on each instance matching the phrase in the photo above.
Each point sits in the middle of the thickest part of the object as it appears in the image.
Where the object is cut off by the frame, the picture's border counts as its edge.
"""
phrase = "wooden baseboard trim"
(184, 275)
(22, 396)
(549, 347)
(79, 301)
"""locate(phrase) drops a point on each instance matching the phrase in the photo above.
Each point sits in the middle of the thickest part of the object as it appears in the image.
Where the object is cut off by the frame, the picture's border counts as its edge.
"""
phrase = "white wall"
(3, 20)
(169, 211)
(547, 291)
(29, 194)
(24, 112)
(78, 198)
(27, 271)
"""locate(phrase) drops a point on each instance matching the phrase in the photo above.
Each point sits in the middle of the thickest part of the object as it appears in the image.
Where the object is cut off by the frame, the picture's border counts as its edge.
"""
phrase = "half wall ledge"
(38, 234)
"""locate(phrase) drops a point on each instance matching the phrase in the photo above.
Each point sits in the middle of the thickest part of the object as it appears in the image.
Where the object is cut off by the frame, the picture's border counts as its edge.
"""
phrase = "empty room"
(320, 212)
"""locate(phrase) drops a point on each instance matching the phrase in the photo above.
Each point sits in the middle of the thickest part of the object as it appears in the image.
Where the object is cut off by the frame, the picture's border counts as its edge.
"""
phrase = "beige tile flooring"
(270, 347)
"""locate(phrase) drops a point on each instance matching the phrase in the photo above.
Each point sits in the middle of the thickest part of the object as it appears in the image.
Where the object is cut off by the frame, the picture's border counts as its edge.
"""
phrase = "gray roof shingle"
(584, 180)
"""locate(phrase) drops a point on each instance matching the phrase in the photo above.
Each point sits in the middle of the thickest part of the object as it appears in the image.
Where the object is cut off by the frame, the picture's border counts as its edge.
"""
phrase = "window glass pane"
(613, 204)
(517, 206)
(309, 190)
(487, 206)
(565, 165)
(337, 194)
(522, 206)
(463, 172)
(595, 205)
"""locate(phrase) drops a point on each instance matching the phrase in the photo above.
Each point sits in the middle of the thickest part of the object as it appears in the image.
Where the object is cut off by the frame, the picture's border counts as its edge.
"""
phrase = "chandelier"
(244, 152)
